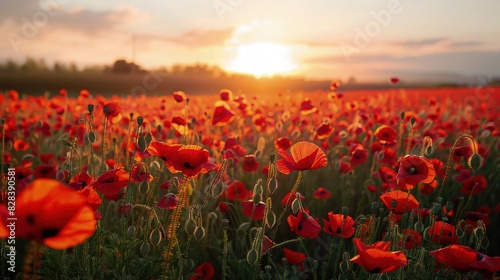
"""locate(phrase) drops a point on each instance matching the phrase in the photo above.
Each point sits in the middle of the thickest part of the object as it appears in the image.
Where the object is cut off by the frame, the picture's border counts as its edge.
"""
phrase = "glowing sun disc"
(262, 59)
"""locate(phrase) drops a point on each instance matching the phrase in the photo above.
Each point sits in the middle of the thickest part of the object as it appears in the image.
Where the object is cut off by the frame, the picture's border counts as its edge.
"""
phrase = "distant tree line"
(120, 66)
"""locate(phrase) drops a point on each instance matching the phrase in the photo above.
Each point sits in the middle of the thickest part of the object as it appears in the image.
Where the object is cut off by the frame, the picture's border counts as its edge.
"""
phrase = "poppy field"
(367, 184)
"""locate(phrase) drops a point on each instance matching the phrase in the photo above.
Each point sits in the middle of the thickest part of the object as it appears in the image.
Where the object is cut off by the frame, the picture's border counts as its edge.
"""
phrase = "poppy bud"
(345, 210)
(412, 121)
(475, 162)
(402, 115)
(199, 233)
(375, 206)
(393, 204)
(106, 109)
(140, 120)
(436, 207)
(273, 185)
(225, 223)
(272, 157)
(131, 232)
(6, 167)
(90, 107)
(449, 206)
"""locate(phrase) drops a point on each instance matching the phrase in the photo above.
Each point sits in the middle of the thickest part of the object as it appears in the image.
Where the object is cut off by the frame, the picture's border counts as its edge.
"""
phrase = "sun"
(262, 59)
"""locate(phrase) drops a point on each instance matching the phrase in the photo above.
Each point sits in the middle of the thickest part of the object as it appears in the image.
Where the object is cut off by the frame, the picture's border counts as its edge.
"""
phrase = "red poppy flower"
(304, 225)
(254, 212)
(464, 259)
(358, 155)
(411, 239)
(237, 191)
(92, 197)
(282, 143)
(304, 156)
(226, 95)
(462, 151)
(394, 80)
(222, 114)
(474, 185)
(204, 271)
(192, 160)
(165, 151)
(323, 131)
(405, 202)
(250, 164)
(295, 258)
(306, 107)
(139, 174)
(414, 170)
(321, 193)
(20, 145)
(111, 182)
(385, 134)
(387, 174)
(223, 207)
(429, 188)
(47, 171)
(179, 96)
(114, 112)
(169, 201)
(80, 181)
(48, 212)
(443, 233)
(376, 258)
(339, 225)
(472, 217)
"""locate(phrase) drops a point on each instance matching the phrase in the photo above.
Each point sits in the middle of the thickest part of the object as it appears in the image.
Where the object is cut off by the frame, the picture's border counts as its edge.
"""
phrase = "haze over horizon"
(320, 40)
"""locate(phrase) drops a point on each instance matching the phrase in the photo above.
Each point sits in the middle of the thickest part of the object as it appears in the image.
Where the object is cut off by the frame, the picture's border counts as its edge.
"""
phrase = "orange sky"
(320, 40)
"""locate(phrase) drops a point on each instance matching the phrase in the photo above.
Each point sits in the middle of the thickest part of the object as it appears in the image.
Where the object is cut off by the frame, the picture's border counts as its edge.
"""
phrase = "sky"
(316, 39)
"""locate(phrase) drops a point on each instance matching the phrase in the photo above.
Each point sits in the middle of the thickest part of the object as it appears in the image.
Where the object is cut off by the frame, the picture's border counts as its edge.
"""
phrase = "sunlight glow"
(262, 59)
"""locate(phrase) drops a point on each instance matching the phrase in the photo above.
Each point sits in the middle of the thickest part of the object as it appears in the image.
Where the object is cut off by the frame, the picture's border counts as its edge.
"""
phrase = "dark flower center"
(188, 165)
(375, 270)
(30, 219)
(110, 180)
(412, 170)
(50, 232)
(164, 158)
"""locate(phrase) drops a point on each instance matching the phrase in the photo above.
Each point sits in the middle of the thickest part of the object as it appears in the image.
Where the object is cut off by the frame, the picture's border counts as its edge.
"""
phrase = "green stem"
(278, 223)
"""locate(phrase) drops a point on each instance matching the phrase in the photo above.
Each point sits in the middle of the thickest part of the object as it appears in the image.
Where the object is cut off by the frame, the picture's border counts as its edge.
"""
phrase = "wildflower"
(385, 134)
(192, 160)
(411, 239)
(179, 96)
(169, 201)
(114, 112)
(50, 213)
(443, 233)
(376, 258)
(414, 170)
(304, 156)
(111, 182)
(474, 185)
(237, 191)
(164, 151)
(304, 225)
(282, 143)
(464, 259)
(405, 202)
(321, 193)
(339, 225)
(204, 271)
(222, 114)
(250, 164)
(254, 212)
(306, 107)
(295, 258)
(226, 95)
